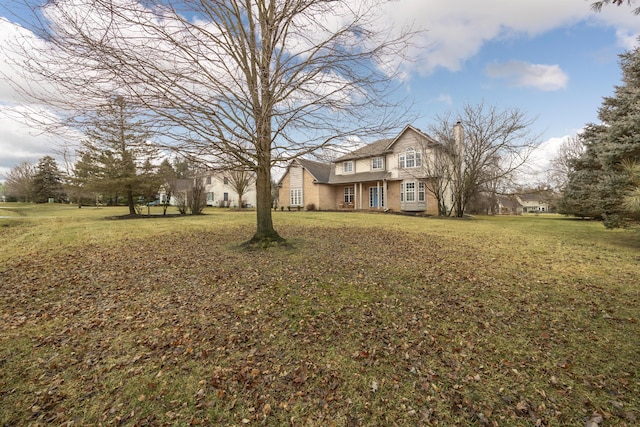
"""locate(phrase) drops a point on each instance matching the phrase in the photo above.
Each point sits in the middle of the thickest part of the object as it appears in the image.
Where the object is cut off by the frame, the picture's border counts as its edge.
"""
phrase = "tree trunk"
(131, 202)
(265, 233)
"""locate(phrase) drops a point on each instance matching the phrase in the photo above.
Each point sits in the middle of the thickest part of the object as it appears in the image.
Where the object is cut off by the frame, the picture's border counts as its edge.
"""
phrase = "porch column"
(361, 206)
(355, 195)
(384, 190)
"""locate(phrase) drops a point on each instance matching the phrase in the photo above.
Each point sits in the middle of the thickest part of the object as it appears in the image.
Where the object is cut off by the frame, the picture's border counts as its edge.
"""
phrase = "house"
(389, 174)
(533, 202)
(219, 189)
(509, 205)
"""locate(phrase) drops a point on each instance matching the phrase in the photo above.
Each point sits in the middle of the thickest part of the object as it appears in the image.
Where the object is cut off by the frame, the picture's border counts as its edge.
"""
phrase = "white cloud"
(457, 31)
(628, 40)
(444, 99)
(21, 141)
(539, 76)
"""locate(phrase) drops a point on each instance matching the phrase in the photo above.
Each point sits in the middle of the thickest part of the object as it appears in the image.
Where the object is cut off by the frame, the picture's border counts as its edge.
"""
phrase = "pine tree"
(599, 182)
(47, 181)
(114, 155)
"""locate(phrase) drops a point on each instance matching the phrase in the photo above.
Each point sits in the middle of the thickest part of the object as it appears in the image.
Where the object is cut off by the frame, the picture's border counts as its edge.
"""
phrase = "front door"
(375, 197)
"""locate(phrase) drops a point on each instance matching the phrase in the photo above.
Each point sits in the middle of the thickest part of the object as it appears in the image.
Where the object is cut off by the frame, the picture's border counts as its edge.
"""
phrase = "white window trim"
(410, 156)
(412, 192)
(347, 167)
(349, 195)
(374, 163)
(295, 197)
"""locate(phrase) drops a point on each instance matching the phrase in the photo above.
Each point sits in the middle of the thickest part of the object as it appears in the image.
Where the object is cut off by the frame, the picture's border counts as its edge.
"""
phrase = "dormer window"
(377, 163)
(410, 159)
(347, 167)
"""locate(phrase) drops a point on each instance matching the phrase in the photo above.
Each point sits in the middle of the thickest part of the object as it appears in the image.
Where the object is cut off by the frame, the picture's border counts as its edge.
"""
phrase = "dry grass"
(368, 320)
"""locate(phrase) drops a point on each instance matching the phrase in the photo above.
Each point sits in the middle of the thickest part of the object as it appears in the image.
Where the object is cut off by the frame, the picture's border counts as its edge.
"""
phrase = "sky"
(554, 60)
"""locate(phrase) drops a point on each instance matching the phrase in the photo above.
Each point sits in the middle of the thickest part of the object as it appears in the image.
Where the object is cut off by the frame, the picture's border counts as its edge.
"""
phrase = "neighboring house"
(389, 174)
(218, 188)
(533, 203)
(509, 205)
(221, 191)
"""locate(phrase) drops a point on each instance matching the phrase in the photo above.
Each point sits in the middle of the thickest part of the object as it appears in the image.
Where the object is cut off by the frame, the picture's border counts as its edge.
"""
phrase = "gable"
(319, 171)
(410, 137)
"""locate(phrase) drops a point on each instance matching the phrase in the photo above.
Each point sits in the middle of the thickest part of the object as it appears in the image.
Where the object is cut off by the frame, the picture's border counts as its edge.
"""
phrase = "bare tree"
(197, 196)
(261, 81)
(496, 143)
(437, 167)
(569, 151)
(19, 182)
(241, 180)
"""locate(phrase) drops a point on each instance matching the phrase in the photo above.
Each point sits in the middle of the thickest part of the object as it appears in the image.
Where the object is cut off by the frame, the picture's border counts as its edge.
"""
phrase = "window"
(347, 167)
(295, 197)
(410, 159)
(402, 192)
(208, 180)
(225, 180)
(348, 194)
(421, 192)
(226, 197)
(376, 163)
(410, 191)
(209, 197)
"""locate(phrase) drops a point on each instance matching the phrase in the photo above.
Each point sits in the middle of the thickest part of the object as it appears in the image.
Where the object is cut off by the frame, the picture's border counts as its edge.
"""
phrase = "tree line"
(117, 165)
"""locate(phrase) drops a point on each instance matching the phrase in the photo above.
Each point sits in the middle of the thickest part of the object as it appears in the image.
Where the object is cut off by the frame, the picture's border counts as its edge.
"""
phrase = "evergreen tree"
(580, 197)
(47, 181)
(81, 185)
(599, 182)
(114, 155)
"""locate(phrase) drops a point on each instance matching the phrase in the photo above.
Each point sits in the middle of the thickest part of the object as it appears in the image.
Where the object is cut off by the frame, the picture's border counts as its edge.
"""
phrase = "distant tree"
(240, 180)
(47, 181)
(82, 182)
(19, 182)
(196, 196)
(188, 186)
(275, 193)
(114, 153)
(597, 6)
(2, 191)
(167, 177)
(561, 165)
(496, 144)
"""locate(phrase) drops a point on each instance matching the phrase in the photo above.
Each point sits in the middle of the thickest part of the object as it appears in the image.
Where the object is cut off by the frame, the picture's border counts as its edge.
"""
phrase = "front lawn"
(367, 320)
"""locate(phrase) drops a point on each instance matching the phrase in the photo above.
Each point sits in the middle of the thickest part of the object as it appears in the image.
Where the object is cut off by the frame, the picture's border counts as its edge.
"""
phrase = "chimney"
(458, 138)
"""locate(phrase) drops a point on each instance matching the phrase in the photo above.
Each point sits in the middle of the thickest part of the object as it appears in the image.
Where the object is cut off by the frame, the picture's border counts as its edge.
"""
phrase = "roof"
(509, 202)
(357, 177)
(376, 148)
(319, 171)
(531, 197)
(383, 146)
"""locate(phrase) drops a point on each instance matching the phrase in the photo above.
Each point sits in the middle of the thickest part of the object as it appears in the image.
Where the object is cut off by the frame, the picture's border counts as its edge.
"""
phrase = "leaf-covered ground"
(349, 327)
